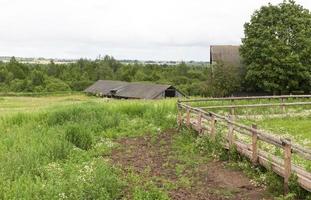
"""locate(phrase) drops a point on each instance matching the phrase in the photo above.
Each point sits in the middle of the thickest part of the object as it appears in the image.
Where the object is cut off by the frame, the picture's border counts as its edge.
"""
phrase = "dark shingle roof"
(104, 86)
(225, 53)
(127, 90)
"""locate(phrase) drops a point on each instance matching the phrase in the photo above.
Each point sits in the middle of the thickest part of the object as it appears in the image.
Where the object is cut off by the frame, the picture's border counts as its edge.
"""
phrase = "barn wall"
(162, 95)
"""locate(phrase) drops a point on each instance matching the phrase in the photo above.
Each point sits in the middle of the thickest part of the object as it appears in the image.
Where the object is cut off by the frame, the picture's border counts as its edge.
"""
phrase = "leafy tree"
(17, 69)
(53, 70)
(182, 69)
(223, 80)
(18, 85)
(104, 71)
(54, 85)
(80, 85)
(277, 48)
(3, 74)
(37, 78)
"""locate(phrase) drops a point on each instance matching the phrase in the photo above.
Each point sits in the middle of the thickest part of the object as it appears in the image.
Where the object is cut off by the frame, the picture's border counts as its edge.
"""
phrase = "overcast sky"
(125, 29)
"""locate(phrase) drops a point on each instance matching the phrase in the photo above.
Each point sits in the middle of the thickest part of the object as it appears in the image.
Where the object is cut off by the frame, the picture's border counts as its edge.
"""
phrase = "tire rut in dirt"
(155, 155)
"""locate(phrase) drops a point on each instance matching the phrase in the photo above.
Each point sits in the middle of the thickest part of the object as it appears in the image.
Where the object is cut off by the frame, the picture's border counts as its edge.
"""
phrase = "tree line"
(24, 77)
(192, 80)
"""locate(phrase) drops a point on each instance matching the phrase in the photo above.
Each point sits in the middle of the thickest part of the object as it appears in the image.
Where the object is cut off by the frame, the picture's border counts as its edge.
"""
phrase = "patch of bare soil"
(210, 180)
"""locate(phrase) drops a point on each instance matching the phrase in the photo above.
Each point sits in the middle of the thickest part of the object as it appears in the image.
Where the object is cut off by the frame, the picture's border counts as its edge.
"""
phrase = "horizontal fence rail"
(258, 105)
(247, 98)
(204, 122)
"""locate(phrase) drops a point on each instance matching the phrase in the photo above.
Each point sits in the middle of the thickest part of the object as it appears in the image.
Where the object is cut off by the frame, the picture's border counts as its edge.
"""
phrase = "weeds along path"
(169, 163)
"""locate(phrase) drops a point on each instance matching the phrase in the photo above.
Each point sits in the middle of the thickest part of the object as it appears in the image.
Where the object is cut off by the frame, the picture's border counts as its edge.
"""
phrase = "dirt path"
(155, 158)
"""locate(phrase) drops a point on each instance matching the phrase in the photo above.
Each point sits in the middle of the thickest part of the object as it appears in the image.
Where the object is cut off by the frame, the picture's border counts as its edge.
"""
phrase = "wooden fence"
(206, 122)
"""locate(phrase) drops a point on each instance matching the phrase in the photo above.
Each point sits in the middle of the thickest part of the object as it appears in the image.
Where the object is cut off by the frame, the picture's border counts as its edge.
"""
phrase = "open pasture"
(298, 128)
(289, 117)
(81, 147)
(15, 104)
(52, 147)
(236, 122)
(243, 106)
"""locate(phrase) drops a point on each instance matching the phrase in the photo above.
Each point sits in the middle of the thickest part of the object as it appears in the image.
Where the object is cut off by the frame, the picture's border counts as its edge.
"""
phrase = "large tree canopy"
(277, 48)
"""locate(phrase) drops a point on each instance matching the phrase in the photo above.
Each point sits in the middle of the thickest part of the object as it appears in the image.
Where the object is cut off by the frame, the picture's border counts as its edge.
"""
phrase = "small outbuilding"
(134, 90)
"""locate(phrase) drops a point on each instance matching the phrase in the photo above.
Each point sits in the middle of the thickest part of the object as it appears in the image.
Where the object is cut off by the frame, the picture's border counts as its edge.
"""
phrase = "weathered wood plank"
(254, 146)
(247, 98)
(282, 105)
(287, 164)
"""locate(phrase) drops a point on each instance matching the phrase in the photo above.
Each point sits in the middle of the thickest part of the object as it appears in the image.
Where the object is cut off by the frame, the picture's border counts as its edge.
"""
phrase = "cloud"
(140, 29)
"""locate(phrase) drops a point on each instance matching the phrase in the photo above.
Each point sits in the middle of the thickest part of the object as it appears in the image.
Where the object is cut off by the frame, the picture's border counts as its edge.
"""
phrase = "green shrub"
(81, 138)
(56, 85)
(80, 85)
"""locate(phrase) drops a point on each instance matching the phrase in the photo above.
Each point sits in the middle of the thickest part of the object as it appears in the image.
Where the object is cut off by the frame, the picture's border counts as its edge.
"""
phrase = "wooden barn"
(227, 54)
(127, 90)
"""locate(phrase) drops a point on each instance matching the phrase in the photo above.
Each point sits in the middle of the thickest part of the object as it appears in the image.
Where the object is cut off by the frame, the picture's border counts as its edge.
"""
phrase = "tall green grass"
(57, 153)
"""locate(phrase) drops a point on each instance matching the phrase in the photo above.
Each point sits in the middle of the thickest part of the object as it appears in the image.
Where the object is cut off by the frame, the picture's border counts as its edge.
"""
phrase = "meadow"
(66, 147)
(16, 104)
(293, 123)
(290, 121)
(298, 128)
(52, 147)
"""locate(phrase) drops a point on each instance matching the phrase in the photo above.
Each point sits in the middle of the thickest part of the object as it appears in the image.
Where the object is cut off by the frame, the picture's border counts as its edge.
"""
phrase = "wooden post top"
(286, 141)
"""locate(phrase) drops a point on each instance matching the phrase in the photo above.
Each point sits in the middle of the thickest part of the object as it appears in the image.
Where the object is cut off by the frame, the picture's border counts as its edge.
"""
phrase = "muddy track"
(154, 157)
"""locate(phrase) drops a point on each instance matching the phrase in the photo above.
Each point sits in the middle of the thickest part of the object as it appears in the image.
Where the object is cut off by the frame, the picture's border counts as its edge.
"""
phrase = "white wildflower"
(62, 195)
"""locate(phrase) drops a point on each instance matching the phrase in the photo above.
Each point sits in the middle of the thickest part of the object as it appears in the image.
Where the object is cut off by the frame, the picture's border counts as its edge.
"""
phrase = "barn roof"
(127, 90)
(104, 86)
(226, 54)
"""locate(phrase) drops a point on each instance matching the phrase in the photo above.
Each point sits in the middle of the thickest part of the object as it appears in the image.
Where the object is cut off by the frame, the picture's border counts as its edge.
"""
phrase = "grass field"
(294, 123)
(297, 128)
(80, 147)
(11, 105)
(55, 152)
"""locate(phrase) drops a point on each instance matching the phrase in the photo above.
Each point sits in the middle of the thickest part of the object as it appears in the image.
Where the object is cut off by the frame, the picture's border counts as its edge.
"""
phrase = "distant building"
(227, 54)
(126, 90)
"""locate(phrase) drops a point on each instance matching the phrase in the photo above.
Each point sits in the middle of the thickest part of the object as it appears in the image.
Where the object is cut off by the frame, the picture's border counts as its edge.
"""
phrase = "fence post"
(283, 106)
(199, 123)
(232, 109)
(179, 118)
(287, 163)
(213, 127)
(254, 145)
(230, 132)
(188, 118)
